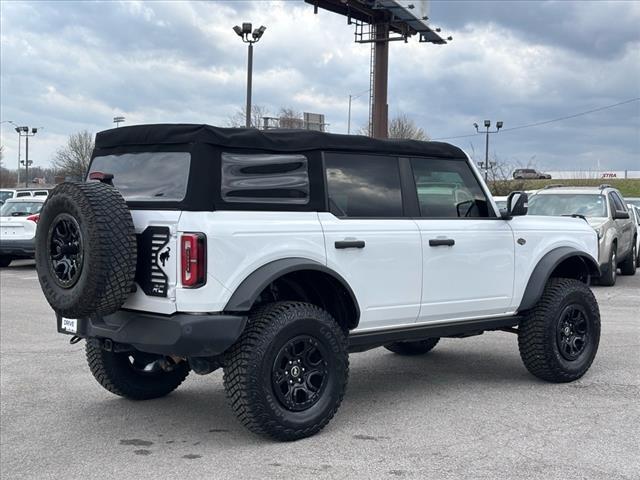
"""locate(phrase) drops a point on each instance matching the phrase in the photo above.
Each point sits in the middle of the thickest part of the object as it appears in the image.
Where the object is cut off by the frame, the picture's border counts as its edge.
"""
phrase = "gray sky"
(67, 66)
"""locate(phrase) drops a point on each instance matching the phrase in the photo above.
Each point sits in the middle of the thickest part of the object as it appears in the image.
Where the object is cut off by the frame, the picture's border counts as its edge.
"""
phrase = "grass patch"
(629, 187)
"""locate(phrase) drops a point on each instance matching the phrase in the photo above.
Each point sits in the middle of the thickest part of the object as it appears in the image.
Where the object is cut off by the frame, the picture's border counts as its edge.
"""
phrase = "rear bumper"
(180, 334)
(18, 248)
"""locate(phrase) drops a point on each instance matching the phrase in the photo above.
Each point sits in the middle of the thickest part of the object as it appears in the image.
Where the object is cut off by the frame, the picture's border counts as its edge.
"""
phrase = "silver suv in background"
(530, 173)
(606, 212)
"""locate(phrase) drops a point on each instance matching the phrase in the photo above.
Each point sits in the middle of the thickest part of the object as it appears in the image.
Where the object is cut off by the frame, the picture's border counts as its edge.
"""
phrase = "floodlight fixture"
(18, 130)
(475, 125)
(499, 125)
(238, 30)
(34, 130)
(246, 28)
(249, 37)
(487, 123)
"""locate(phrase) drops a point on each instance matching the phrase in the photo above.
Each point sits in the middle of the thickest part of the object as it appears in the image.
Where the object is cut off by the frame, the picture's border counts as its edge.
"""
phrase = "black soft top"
(269, 140)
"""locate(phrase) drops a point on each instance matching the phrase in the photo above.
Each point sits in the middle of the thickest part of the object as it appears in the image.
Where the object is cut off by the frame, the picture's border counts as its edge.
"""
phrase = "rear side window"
(448, 189)
(363, 185)
(265, 178)
(147, 176)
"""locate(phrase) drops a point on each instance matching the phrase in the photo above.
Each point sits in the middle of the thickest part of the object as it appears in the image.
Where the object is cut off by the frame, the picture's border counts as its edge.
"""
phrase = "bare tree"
(238, 119)
(401, 126)
(290, 118)
(72, 160)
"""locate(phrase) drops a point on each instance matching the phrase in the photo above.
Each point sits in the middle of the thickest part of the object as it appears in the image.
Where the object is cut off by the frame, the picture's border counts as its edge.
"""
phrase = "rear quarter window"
(147, 176)
(264, 178)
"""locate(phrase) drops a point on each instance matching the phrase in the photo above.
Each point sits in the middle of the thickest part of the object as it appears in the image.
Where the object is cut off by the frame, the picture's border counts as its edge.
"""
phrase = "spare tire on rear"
(85, 249)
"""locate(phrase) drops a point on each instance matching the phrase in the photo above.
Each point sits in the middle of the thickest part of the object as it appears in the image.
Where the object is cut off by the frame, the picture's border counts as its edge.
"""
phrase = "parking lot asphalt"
(469, 409)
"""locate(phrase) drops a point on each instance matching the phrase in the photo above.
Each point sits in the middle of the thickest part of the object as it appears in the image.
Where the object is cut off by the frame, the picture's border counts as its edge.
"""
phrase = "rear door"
(467, 251)
(369, 240)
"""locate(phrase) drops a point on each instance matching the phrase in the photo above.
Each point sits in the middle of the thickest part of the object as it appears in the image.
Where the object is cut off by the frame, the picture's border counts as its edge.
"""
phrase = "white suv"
(275, 254)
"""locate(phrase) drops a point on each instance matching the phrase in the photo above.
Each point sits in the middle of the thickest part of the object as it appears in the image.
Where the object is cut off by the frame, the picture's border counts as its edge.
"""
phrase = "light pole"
(24, 132)
(249, 37)
(118, 121)
(487, 124)
(353, 97)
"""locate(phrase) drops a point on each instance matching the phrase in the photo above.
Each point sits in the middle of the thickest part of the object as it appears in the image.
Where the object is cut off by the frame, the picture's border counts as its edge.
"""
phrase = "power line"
(545, 122)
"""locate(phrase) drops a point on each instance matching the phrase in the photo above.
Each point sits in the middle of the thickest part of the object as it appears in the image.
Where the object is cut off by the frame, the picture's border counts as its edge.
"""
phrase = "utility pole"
(249, 37)
(351, 98)
(487, 124)
(380, 81)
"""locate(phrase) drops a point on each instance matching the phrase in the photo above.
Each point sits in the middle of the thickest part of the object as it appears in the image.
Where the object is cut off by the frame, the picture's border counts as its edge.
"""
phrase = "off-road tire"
(538, 332)
(628, 267)
(419, 347)
(609, 278)
(115, 372)
(108, 249)
(5, 261)
(250, 363)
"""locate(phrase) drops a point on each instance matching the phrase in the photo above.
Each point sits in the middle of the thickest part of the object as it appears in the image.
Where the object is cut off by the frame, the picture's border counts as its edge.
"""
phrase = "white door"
(468, 253)
(368, 239)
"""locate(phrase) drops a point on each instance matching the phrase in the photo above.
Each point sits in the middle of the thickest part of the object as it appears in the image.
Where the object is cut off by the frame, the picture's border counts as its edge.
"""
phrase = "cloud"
(74, 65)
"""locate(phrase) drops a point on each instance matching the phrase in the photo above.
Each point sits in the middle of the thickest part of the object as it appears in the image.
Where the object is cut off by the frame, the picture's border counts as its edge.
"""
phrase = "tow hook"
(75, 339)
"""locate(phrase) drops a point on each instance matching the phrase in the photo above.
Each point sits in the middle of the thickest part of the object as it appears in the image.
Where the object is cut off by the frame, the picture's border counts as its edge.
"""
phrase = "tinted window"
(265, 178)
(557, 204)
(448, 189)
(619, 205)
(148, 176)
(363, 185)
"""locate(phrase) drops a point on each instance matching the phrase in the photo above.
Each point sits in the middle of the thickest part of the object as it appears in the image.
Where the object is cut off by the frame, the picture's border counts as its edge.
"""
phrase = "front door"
(370, 241)
(468, 252)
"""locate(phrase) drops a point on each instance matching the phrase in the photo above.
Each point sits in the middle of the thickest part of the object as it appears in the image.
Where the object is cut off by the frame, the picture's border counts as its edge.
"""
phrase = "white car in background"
(18, 220)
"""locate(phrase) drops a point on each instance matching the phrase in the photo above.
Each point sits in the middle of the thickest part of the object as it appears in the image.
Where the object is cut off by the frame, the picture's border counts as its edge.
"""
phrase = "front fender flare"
(545, 267)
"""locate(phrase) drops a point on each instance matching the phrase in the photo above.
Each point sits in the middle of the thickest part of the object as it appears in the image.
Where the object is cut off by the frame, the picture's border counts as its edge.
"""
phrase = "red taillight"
(34, 218)
(193, 247)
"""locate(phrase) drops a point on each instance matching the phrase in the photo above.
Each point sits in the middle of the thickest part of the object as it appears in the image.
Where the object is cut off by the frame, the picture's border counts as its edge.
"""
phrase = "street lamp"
(487, 124)
(249, 37)
(24, 132)
(353, 97)
(118, 121)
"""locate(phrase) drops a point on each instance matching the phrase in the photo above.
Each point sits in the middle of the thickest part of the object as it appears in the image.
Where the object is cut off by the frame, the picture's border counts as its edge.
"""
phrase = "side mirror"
(517, 205)
(620, 215)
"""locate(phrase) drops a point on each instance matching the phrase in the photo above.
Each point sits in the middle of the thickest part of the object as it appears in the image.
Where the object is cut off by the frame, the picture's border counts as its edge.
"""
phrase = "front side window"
(618, 203)
(558, 204)
(147, 176)
(448, 189)
(361, 185)
(265, 178)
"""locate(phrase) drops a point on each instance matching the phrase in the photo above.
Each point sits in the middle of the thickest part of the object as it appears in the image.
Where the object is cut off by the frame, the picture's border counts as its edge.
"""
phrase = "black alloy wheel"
(572, 332)
(65, 250)
(299, 373)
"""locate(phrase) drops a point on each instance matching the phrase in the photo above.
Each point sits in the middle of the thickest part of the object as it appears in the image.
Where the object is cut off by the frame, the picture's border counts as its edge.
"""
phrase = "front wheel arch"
(565, 262)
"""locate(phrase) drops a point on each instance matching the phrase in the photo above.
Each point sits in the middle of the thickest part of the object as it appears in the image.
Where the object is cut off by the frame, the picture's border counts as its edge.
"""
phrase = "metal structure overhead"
(379, 22)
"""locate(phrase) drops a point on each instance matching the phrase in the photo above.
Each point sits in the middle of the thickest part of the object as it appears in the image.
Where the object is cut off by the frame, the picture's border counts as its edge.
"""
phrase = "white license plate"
(69, 325)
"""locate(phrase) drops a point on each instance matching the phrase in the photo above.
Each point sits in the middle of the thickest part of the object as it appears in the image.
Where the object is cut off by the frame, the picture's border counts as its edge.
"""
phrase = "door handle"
(349, 244)
(442, 242)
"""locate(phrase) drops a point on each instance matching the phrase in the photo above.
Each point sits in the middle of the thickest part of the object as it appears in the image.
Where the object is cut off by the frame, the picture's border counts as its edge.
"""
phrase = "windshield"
(20, 209)
(589, 205)
(148, 176)
(4, 196)
(633, 201)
